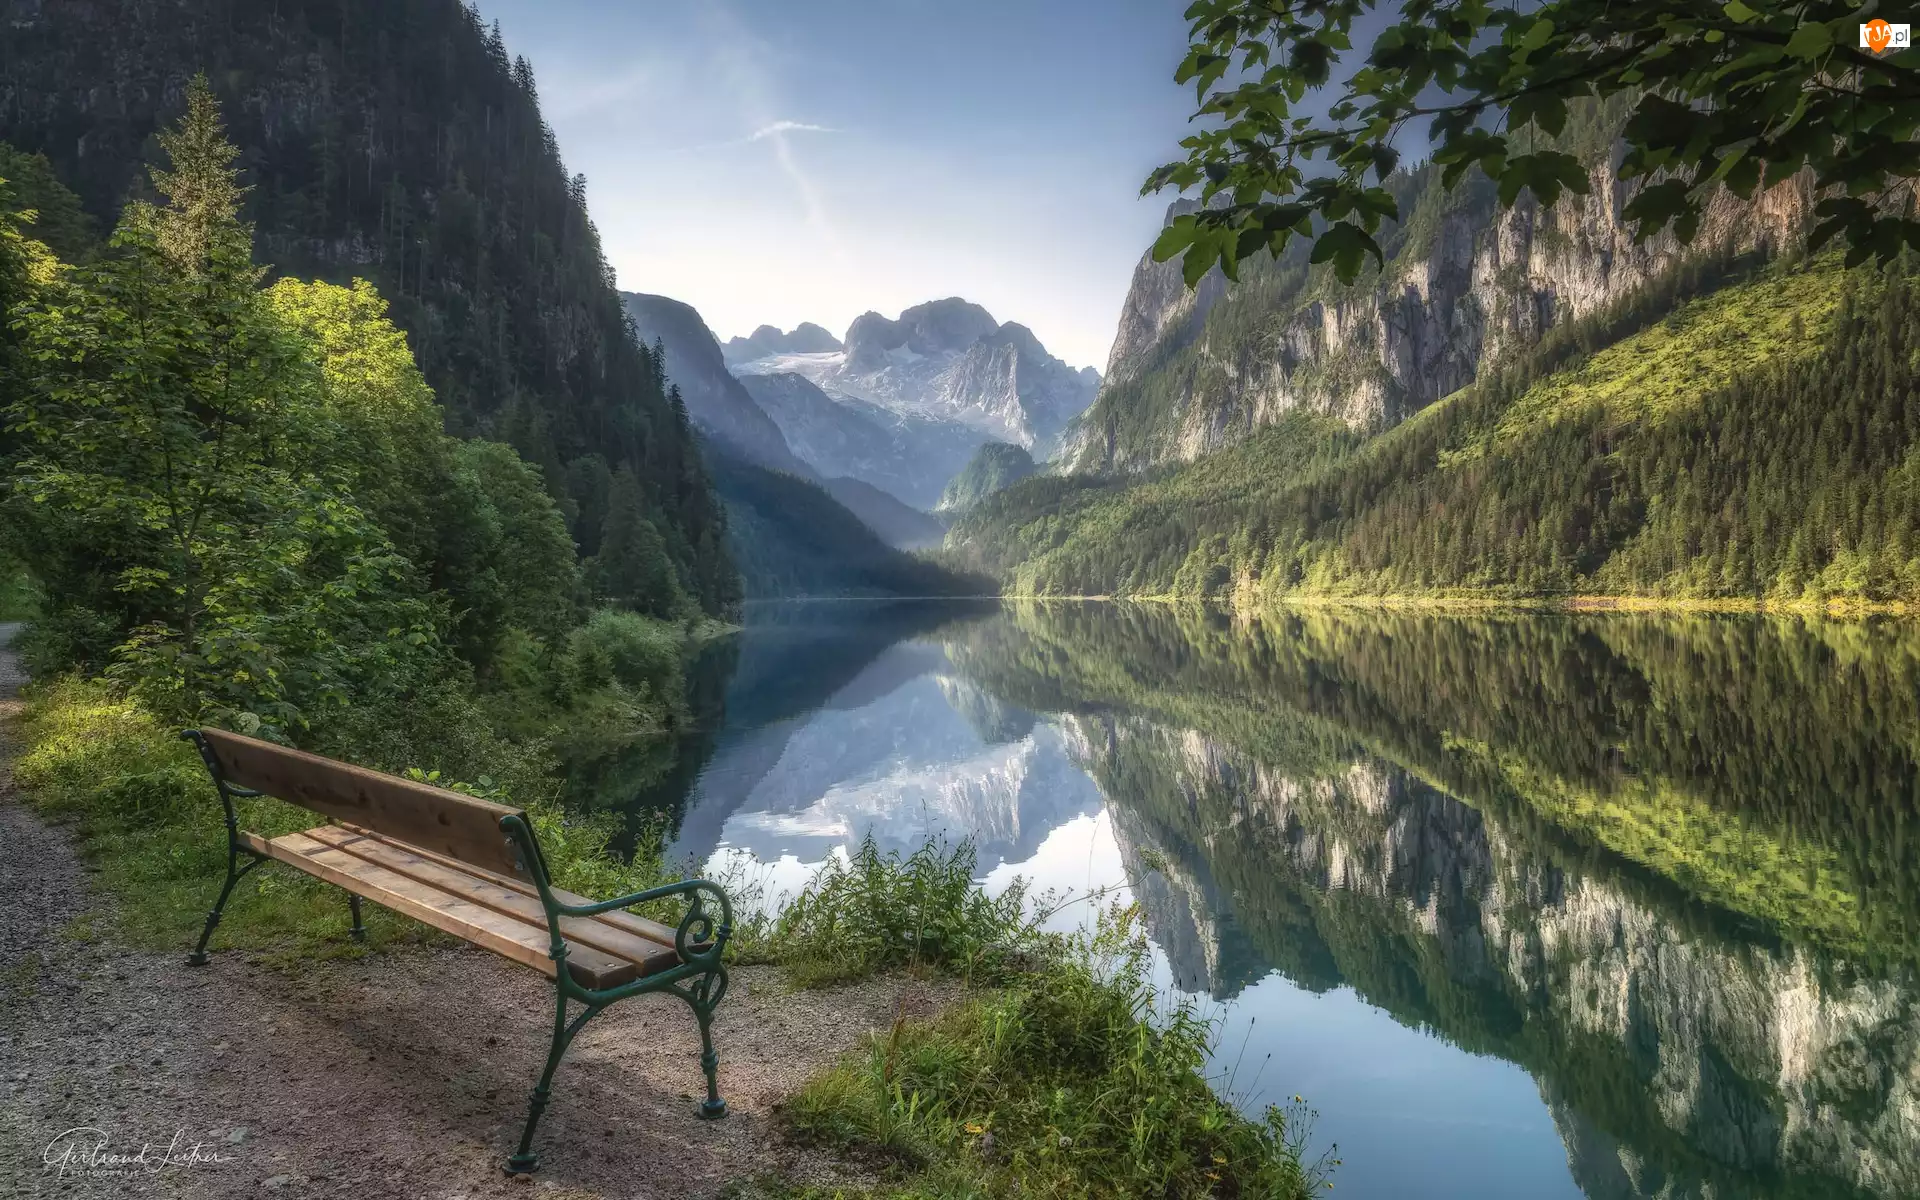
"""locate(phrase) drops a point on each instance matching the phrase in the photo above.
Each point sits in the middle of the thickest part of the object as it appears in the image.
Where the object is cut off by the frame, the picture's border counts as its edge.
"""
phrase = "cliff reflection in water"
(1666, 865)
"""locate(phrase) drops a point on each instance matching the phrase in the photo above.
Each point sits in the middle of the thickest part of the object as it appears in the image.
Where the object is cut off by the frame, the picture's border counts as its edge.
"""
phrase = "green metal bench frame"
(700, 940)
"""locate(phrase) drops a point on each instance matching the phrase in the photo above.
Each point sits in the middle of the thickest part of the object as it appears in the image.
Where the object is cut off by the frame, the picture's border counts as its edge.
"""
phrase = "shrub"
(879, 912)
(640, 654)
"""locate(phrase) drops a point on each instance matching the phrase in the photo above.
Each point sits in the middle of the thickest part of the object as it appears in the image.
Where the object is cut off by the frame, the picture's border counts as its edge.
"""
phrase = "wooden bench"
(473, 868)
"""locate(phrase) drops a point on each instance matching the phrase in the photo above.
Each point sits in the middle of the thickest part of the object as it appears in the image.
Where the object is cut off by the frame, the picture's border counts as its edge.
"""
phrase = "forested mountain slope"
(994, 466)
(1757, 444)
(392, 140)
(792, 538)
(716, 402)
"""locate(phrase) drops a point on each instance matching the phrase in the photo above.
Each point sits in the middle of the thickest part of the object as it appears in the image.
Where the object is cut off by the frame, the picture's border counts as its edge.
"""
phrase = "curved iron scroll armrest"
(700, 938)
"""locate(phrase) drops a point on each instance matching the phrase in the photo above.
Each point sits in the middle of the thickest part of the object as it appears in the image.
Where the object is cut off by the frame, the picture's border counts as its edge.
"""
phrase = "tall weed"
(877, 912)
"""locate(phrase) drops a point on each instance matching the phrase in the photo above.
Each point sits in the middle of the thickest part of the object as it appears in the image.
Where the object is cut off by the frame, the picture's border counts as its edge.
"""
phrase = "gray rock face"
(1484, 285)
(950, 362)
(908, 458)
(806, 338)
(1160, 311)
(716, 402)
(935, 328)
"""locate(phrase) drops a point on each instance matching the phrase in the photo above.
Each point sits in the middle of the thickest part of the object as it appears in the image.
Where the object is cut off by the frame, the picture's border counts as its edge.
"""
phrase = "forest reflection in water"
(1667, 866)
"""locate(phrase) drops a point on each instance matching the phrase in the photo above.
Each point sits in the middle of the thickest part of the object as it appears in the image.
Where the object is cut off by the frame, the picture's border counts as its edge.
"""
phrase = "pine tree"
(632, 569)
(199, 228)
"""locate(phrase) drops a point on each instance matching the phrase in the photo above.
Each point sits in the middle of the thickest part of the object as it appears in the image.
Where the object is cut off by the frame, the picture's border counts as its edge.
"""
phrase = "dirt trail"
(402, 1074)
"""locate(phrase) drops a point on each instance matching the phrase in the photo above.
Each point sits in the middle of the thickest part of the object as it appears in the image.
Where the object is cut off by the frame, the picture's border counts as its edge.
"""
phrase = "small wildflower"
(975, 1127)
(1219, 1157)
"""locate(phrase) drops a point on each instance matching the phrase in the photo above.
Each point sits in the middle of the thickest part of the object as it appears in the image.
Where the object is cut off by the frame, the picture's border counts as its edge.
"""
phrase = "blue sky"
(779, 161)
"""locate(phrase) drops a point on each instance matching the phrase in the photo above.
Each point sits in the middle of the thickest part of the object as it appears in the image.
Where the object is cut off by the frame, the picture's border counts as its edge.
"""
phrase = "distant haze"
(771, 162)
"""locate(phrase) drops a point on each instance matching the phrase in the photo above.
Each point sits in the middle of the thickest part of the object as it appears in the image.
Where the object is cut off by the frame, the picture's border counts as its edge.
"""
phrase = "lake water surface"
(1524, 906)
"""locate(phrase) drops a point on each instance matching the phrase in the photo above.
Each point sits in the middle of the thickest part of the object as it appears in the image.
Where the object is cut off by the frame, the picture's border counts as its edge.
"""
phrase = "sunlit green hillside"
(1751, 444)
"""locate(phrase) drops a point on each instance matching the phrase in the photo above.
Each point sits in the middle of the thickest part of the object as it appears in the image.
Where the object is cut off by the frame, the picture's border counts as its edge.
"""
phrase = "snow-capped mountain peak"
(948, 361)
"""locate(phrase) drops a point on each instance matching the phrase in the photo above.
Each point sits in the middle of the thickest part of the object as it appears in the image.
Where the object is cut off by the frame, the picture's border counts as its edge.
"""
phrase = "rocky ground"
(401, 1074)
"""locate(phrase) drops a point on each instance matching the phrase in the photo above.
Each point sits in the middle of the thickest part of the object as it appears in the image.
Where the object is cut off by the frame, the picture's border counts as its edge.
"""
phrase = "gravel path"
(401, 1074)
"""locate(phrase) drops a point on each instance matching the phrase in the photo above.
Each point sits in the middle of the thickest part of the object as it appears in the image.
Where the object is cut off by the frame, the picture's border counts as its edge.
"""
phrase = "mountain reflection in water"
(1527, 905)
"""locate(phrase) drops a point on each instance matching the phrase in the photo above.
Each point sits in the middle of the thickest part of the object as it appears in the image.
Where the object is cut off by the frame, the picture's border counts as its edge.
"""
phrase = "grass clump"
(1072, 1080)
(1063, 1075)
(150, 825)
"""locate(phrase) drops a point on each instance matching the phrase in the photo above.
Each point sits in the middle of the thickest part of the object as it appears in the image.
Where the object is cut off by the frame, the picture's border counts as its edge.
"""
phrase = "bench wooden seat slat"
(637, 925)
(648, 954)
(522, 941)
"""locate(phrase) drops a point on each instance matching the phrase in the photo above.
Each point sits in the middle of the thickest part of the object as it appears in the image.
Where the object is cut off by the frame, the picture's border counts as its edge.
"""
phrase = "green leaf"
(1173, 239)
(1738, 12)
(1810, 41)
(1347, 247)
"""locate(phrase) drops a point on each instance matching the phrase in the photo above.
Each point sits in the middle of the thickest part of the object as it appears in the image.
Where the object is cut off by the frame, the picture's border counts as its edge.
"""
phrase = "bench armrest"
(699, 938)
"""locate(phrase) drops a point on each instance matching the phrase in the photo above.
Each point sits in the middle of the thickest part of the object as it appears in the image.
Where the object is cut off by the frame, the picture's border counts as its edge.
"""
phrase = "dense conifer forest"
(396, 141)
(236, 502)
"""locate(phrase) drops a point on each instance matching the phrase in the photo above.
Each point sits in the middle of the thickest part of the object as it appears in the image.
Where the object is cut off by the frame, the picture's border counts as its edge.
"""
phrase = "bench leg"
(524, 1159)
(358, 931)
(704, 999)
(199, 956)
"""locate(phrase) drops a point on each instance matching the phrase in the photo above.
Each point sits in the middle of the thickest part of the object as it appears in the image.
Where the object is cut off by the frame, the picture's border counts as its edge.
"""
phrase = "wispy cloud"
(745, 67)
(780, 127)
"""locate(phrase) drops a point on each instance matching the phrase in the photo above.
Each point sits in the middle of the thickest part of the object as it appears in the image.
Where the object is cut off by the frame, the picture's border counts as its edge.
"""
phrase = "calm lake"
(1523, 906)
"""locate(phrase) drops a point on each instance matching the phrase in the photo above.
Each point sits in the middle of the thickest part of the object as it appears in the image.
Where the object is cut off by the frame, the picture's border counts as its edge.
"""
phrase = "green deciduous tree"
(1740, 93)
(523, 545)
(172, 482)
(376, 412)
(51, 213)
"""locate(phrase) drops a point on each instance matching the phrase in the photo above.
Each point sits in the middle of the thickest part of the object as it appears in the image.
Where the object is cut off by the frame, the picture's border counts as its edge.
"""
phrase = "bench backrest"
(432, 818)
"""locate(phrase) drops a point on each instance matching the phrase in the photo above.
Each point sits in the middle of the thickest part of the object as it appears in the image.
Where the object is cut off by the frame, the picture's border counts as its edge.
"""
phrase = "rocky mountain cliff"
(908, 458)
(1465, 285)
(950, 361)
(806, 338)
(792, 530)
